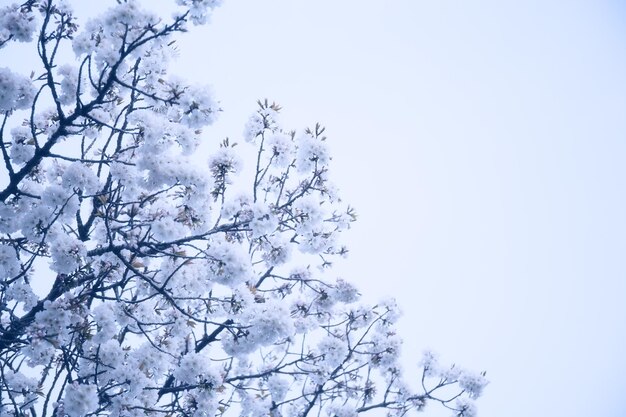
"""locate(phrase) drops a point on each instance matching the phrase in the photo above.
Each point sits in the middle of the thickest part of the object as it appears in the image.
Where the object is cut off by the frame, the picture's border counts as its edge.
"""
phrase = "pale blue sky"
(483, 144)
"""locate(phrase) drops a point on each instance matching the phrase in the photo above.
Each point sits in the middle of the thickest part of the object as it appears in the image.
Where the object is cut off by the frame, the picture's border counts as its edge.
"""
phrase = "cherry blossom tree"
(136, 282)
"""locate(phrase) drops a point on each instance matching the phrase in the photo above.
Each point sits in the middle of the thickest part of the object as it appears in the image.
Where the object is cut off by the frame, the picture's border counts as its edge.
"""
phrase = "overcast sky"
(483, 144)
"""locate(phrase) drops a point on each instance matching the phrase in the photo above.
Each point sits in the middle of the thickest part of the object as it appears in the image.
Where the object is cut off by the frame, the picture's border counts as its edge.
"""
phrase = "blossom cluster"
(17, 23)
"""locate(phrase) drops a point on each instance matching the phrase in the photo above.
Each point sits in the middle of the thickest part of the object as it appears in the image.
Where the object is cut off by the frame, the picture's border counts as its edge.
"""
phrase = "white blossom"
(16, 23)
(196, 368)
(69, 85)
(345, 292)
(80, 399)
(228, 264)
(198, 107)
(387, 349)
(79, 176)
(312, 153)
(200, 9)
(430, 363)
(56, 196)
(465, 407)
(225, 162)
(333, 350)
(22, 292)
(277, 250)
(104, 317)
(254, 127)
(19, 382)
(8, 222)
(264, 323)
(241, 206)
(263, 222)
(278, 387)
(309, 214)
(16, 91)
(472, 383)
(68, 253)
(281, 148)
(9, 264)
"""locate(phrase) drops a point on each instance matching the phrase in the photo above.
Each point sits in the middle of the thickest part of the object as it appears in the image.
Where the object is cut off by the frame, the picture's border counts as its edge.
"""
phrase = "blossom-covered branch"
(134, 281)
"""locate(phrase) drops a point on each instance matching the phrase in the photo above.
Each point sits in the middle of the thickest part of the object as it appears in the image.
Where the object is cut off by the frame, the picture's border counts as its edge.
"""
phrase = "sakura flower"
(80, 399)
(16, 91)
(16, 23)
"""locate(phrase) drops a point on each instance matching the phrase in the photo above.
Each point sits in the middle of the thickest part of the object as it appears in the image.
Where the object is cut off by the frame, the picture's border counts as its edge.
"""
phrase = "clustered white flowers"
(17, 23)
(16, 91)
(135, 282)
